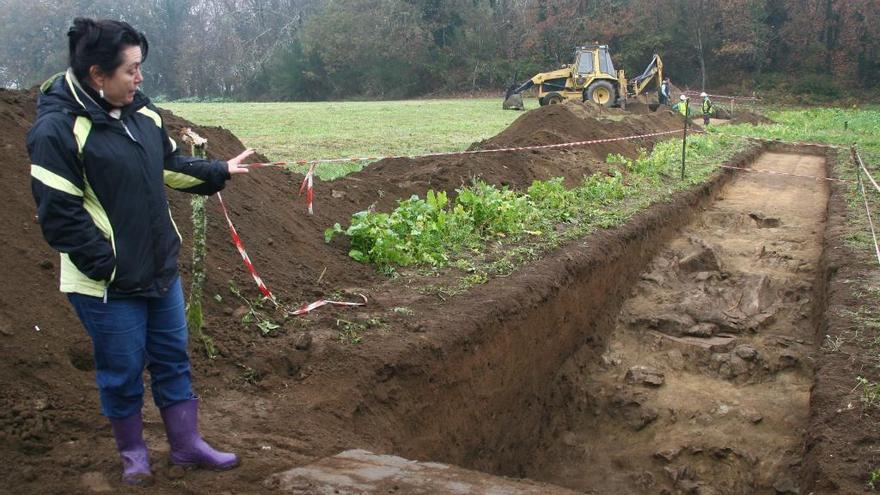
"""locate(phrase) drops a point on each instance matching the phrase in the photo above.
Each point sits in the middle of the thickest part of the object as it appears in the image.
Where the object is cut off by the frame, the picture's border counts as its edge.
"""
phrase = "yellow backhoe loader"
(590, 78)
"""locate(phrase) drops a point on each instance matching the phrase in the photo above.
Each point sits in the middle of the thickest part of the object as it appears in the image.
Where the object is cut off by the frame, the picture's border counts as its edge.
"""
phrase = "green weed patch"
(434, 231)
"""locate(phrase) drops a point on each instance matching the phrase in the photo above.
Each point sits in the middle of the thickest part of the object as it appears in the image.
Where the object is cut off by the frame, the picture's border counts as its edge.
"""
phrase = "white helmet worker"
(703, 95)
(682, 97)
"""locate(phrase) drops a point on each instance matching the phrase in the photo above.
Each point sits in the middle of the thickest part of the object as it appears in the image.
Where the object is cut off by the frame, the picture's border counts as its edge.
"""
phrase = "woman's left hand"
(235, 163)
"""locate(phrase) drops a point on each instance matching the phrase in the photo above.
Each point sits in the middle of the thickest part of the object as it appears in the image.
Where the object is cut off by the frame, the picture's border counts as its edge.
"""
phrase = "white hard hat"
(703, 94)
(683, 97)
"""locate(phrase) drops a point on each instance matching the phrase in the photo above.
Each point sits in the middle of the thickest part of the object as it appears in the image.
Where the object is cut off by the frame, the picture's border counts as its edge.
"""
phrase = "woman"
(100, 161)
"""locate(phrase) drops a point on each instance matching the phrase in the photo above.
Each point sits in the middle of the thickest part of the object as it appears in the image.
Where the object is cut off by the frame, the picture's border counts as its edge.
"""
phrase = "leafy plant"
(254, 312)
(874, 478)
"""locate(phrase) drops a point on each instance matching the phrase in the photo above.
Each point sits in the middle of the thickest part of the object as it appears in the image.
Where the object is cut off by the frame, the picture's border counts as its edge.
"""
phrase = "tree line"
(339, 49)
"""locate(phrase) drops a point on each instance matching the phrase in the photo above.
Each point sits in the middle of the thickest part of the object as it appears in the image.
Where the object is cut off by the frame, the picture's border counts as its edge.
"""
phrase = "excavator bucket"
(513, 96)
(513, 102)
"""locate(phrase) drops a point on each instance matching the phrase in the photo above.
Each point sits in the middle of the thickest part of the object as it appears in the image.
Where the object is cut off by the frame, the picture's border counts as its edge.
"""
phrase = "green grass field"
(306, 131)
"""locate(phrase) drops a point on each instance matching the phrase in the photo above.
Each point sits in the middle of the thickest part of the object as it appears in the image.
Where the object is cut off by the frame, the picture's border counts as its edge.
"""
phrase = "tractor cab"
(594, 60)
(594, 76)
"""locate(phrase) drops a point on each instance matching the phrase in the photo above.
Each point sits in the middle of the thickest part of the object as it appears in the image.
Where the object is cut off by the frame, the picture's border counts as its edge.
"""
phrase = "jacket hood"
(63, 93)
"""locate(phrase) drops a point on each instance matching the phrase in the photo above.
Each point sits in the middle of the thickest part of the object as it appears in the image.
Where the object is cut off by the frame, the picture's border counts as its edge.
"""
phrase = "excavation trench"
(669, 356)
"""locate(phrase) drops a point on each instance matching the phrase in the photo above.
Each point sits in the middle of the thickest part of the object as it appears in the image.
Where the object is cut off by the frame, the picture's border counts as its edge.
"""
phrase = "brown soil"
(464, 379)
(705, 381)
(842, 434)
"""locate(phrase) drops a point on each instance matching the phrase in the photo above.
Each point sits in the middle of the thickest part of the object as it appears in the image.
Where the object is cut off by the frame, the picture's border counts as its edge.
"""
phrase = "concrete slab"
(360, 472)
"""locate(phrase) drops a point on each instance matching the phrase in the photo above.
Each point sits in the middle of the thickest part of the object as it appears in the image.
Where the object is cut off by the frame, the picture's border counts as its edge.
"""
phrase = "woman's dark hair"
(101, 43)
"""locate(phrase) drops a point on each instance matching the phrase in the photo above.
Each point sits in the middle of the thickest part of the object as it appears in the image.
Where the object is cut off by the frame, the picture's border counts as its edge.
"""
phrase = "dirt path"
(705, 384)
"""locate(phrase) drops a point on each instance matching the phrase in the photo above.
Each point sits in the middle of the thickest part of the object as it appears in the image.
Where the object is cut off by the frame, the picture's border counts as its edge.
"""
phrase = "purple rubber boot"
(187, 447)
(129, 434)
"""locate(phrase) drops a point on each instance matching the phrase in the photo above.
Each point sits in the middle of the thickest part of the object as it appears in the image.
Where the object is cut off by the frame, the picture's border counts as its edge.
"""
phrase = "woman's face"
(120, 86)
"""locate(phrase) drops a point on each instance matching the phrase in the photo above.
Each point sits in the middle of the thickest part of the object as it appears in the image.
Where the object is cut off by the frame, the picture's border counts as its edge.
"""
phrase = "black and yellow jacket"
(99, 183)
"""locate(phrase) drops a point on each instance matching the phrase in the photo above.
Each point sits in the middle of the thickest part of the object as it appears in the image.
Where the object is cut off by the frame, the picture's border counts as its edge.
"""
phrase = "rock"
(361, 472)
(6, 331)
(752, 416)
(702, 276)
(302, 341)
(738, 366)
(702, 330)
(670, 323)
(628, 406)
(645, 375)
(786, 486)
(746, 352)
(337, 194)
(703, 259)
(228, 311)
(46, 265)
(757, 295)
(668, 455)
(639, 418)
(676, 359)
(609, 360)
(96, 482)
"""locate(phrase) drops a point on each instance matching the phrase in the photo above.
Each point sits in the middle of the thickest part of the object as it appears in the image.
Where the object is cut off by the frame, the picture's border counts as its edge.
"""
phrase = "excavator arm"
(654, 72)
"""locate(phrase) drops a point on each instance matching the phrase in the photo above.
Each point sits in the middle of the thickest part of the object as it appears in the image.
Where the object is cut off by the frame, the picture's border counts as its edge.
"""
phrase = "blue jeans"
(128, 334)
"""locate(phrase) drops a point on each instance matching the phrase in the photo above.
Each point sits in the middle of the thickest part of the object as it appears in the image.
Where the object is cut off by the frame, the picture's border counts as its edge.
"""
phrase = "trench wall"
(485, 398)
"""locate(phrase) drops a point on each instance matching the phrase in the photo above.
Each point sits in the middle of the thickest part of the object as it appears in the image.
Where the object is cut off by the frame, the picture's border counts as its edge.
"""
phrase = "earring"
(101, 92)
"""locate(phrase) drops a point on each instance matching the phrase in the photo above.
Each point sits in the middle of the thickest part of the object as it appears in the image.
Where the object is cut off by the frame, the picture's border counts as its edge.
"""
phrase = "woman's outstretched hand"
(235, 163)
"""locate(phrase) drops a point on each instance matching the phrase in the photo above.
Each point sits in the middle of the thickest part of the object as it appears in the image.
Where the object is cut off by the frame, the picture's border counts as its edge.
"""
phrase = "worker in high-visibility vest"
(706, 107)
(682, 106)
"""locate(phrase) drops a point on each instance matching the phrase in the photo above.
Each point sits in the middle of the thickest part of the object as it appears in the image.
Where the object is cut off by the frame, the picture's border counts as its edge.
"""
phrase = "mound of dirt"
(743, 116)
(50, 422)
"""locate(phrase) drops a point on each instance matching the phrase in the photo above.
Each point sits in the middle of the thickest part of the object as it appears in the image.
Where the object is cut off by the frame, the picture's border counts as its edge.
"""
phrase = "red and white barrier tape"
(742, 98)
(322, 302)
(862, 165)
(236, 239)
(307, 185)
(455, 153)
(867, 207)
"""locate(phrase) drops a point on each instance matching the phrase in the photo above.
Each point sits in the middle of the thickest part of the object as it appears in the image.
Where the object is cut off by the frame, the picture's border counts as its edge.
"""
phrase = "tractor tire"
(553, 99)
(601, 93)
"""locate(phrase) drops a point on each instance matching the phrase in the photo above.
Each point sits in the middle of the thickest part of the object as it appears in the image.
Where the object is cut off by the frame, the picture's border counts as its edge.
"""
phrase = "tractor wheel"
(553, 99)
(601, 93)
